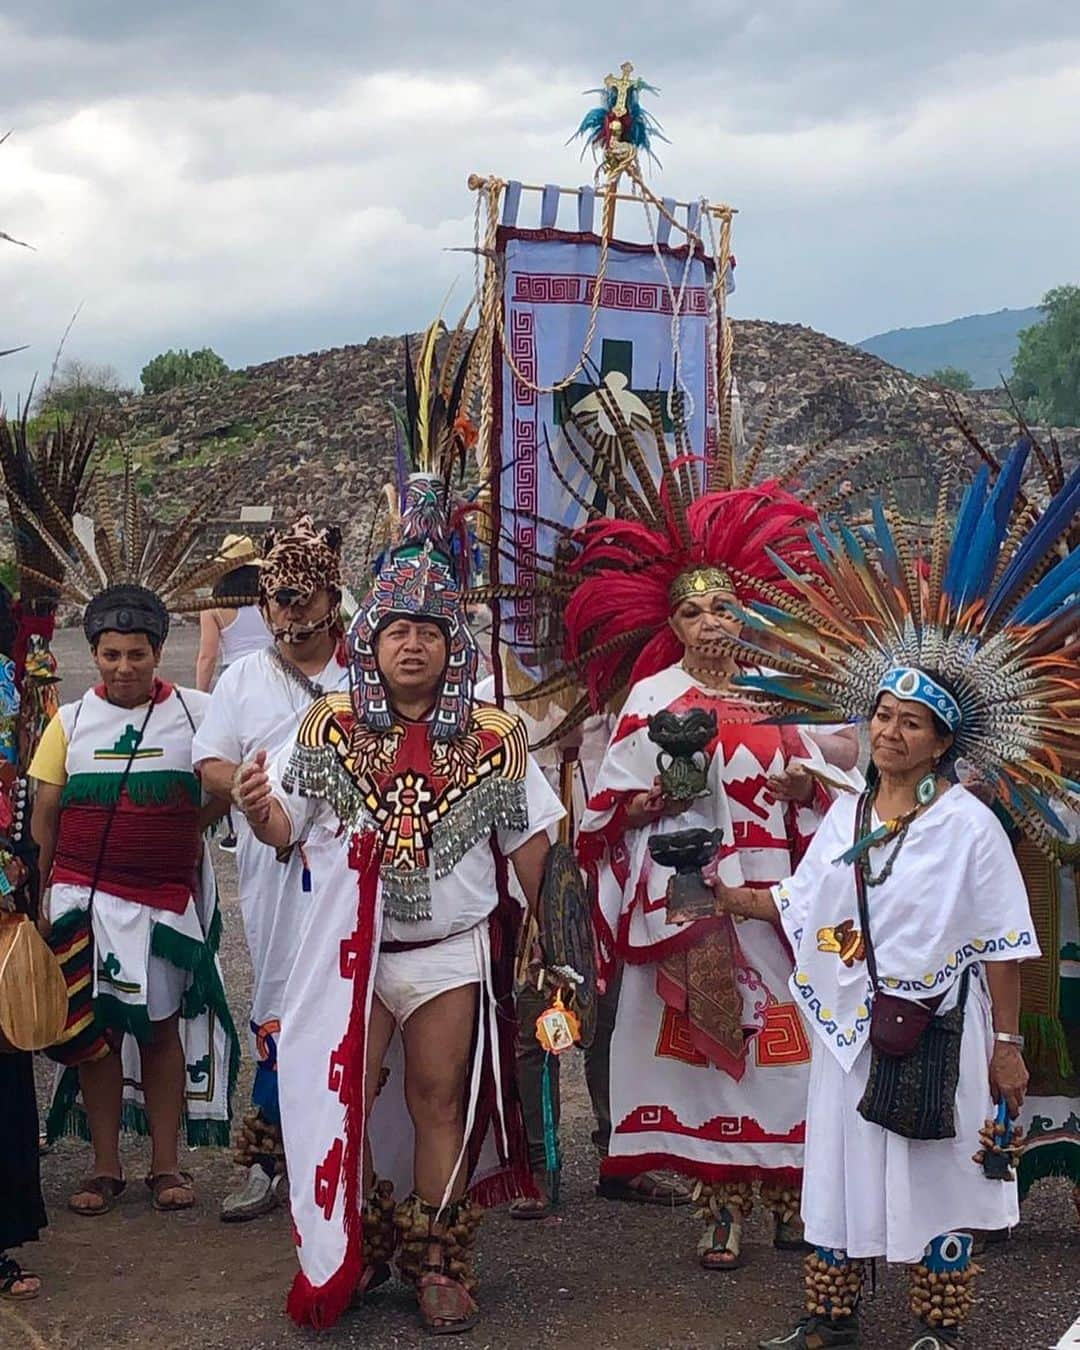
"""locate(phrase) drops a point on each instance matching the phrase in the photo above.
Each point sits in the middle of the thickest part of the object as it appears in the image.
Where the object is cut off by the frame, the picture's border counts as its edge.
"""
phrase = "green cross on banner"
(616, 359)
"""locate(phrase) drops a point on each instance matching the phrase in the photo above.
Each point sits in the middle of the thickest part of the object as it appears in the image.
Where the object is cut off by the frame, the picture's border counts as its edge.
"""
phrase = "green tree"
(1046, 372)
(952, 377)
(174, 368)
(81, 387)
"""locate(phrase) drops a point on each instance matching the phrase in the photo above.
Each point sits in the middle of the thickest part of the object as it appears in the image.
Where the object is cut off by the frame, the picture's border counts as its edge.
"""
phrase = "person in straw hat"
(232, 631)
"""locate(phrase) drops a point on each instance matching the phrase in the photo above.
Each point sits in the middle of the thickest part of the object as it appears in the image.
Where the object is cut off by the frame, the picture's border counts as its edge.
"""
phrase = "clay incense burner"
(682, 762)
(687, 851)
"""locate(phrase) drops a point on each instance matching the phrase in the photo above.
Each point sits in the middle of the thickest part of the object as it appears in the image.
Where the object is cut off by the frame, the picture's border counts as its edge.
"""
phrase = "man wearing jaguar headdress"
(258, 703)
(412, 799)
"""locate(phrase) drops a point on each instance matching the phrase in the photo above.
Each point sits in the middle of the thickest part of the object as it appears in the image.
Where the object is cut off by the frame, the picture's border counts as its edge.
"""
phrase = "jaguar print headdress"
(301, 561)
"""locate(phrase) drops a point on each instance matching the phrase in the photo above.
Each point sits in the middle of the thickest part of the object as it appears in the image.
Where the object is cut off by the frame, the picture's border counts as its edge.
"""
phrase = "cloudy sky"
(273, 176)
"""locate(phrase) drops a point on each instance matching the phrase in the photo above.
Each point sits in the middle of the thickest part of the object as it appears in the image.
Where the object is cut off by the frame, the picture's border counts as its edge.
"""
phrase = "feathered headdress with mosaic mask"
(987, 634)
(428, 549)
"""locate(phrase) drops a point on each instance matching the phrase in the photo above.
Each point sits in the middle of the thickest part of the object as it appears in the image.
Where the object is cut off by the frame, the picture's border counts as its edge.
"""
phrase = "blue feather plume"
(981, 558)
(1058, 590)
(883, 537)
(970, 510)
(1051, 525)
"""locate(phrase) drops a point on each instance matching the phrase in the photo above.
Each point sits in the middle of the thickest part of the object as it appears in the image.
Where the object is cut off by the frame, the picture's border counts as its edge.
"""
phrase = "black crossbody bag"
(911, 1093)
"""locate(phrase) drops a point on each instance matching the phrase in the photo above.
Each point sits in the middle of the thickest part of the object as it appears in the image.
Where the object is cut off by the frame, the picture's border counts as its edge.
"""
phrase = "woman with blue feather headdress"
(920, 1026)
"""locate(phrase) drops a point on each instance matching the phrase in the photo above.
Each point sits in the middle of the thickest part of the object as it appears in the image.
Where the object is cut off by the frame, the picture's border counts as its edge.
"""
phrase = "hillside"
(982, 344)
(315, 431)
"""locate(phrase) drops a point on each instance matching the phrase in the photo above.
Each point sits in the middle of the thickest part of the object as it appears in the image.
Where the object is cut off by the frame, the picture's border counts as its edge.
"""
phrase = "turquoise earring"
(926, 789)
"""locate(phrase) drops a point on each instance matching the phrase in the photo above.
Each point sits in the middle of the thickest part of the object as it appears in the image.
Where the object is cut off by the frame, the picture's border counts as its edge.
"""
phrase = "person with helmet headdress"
(908, 916)
(413, 800)
(118, 816)
(258, 704)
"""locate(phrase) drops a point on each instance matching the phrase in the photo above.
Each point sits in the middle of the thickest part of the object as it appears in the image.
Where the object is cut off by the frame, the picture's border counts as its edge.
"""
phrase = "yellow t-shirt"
(49, 764)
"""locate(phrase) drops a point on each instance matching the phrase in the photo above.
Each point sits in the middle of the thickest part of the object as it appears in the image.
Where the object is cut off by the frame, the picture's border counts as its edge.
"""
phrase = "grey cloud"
(767, 64)
(209, 172)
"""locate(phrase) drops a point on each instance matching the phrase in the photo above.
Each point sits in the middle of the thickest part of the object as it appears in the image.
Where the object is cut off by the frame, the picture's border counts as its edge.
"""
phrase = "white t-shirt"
(257, 706)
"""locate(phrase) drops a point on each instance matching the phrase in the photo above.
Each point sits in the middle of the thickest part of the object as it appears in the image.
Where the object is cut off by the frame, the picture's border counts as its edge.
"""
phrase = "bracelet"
(1006, 1038)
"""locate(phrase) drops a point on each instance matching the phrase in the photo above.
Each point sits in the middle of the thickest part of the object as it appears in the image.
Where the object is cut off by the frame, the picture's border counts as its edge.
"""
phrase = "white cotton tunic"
(320, 1017)
(256, 706)
(670, 1107)
(955, 899)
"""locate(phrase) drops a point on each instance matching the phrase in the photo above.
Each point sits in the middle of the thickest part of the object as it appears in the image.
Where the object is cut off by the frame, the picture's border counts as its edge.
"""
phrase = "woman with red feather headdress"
(710, 1058)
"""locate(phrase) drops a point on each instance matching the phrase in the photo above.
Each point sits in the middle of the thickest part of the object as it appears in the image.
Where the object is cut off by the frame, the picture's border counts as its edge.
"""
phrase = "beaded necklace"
(894, 828)
(311, 687)
(863, 861)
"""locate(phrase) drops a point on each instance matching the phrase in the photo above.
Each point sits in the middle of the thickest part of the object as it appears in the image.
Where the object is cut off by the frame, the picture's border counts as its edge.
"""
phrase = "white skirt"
(872, 1193)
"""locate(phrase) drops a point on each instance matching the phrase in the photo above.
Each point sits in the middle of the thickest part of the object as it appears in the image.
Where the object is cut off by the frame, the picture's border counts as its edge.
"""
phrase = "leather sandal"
(171, 1181)
(373, 1277)
(720, 1246)
(647, 1188)
(538, 1206)
(446, 1306)
(107, 1189)
(11, 1274)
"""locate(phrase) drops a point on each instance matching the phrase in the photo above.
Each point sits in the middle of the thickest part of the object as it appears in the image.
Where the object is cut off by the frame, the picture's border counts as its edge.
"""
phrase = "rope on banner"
(491, 310)
(722, 470)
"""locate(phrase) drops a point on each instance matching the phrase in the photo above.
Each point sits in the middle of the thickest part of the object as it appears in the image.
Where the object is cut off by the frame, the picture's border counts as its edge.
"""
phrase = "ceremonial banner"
(655, 327)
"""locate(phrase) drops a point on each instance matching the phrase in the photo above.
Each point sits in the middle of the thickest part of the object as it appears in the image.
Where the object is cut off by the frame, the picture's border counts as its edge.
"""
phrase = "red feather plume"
(626, 570)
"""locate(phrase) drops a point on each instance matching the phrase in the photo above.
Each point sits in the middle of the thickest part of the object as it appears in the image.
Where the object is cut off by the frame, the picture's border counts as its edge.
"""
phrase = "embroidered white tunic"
(327, 1004)
(671, 1105)
(955, 898)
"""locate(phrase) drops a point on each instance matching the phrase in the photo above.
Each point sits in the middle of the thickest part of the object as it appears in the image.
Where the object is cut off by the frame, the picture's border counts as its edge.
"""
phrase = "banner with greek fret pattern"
(550, 279)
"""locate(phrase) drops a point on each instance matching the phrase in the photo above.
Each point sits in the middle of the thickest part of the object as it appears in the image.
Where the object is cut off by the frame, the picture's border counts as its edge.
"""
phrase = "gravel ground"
(598, 1275)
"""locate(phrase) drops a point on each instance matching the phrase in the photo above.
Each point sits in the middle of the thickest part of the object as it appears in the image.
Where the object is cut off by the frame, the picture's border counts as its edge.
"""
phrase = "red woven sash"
(152, 856)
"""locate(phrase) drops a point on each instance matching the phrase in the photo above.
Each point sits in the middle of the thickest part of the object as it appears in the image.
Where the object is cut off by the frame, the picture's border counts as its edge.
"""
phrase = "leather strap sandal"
(171, 1181)
(446, 1306)
(11, 1274)
(720, 1246)
(107, 1189)
(647, 1188)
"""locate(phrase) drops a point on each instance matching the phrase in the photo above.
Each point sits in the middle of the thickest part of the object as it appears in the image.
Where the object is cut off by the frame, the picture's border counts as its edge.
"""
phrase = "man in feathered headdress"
(259, 703)
(411, 799)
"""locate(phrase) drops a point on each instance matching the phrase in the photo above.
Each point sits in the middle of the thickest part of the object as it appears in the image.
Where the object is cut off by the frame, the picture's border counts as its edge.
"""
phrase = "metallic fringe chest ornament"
(428, 815)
